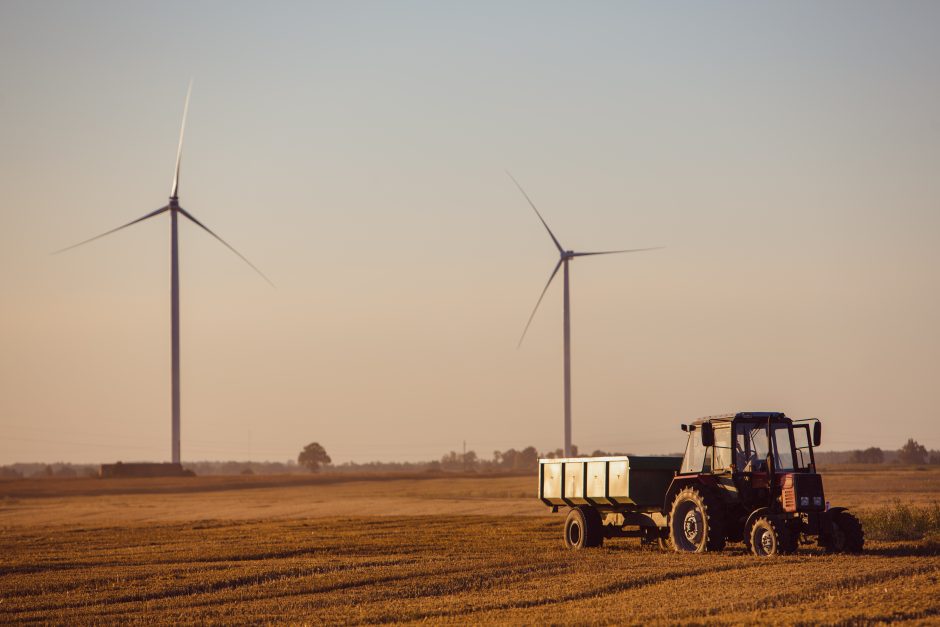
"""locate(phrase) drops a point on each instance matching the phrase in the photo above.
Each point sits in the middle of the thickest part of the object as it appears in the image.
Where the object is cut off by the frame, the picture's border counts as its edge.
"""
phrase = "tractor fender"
(757, 513)
(832, 512)
(705, 482)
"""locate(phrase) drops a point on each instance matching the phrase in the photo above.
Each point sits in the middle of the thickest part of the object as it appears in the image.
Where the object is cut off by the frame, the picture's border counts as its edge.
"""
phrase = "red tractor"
(751, 477)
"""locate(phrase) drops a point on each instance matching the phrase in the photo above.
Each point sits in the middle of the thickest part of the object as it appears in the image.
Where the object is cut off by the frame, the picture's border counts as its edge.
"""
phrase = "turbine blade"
(539, 302)
(141, 219)
(227, 245)
(544, 223)
(614, 252)
(179, 148)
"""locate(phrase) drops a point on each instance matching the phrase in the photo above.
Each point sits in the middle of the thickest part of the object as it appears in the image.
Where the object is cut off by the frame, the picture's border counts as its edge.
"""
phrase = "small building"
(121, 470)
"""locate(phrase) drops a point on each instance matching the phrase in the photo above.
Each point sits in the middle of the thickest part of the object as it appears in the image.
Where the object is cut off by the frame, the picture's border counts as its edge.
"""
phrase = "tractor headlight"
(817, 501)
(804, 501)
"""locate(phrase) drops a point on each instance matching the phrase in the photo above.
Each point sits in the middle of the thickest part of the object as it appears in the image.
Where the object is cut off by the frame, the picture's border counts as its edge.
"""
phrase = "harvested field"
(471, 558)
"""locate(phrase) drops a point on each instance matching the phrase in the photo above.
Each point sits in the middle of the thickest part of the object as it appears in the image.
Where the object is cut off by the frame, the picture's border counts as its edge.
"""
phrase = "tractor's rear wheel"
(768, 537)
(583, 528)
(695, 522)
(845, 534)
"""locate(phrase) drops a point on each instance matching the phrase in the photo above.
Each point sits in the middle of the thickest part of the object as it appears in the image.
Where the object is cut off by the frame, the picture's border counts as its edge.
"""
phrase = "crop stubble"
(444, 568)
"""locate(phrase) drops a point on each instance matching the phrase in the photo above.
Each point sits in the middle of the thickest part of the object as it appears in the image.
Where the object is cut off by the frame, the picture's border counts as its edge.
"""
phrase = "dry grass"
(901, 521)
(448, 567)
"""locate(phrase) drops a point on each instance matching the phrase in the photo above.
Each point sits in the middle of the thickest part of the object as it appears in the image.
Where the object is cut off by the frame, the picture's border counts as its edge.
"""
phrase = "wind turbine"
(174, 210)
(565, 257)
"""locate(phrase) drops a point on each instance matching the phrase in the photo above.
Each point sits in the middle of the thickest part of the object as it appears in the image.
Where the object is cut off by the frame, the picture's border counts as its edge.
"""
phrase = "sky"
(785, 155)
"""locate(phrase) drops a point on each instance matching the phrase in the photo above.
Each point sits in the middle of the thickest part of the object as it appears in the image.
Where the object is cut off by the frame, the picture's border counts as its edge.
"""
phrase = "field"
(439, 550)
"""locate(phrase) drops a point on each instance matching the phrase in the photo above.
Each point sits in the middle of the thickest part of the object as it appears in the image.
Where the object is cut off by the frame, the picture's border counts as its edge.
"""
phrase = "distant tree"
(913, 453)
(509, 458)
(934, 458)
(560, 452)
(313, 456)
(527, 459)
(8, 472)
(469, 460)
(872, 455)
(451, 461)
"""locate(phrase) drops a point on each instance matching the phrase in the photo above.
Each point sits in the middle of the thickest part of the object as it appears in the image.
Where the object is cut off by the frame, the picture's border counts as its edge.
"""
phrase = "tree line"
(315, 458)
(912, 453)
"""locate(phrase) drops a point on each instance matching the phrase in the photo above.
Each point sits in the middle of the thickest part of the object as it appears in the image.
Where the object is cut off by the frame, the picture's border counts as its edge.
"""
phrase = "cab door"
(723, 461)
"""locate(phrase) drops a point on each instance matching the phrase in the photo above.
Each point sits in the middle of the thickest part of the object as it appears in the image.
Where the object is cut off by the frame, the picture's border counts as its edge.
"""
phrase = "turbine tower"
(565, 257)
(174, 210)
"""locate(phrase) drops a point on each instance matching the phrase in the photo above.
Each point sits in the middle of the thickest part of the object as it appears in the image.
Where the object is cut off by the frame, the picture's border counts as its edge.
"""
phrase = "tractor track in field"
(489, 575)
(234, 583)
(593, 594)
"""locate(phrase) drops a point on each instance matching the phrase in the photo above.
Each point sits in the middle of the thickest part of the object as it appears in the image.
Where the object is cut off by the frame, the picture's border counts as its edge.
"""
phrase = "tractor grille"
(802, 493)
(788, 494)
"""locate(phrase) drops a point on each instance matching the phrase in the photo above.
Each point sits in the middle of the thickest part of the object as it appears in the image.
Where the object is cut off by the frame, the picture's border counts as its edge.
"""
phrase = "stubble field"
(467, 550)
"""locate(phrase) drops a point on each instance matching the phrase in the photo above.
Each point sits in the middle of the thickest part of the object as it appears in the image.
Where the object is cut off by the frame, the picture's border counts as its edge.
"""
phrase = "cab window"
(722, 448)
(697, 457)
(804, 458)
(750, 447)
(782, 447)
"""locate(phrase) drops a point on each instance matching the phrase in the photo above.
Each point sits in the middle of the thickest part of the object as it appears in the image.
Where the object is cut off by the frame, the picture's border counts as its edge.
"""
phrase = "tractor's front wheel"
(583, 528)
(845, 534)
(695, 522)
(770, 537)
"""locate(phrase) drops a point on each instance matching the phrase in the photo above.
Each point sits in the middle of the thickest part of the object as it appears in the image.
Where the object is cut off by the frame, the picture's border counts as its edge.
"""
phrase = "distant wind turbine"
(566, 256)
(174, 209)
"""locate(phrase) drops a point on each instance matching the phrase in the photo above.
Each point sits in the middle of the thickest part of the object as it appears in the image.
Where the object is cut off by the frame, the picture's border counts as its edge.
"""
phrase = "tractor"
(751, 477)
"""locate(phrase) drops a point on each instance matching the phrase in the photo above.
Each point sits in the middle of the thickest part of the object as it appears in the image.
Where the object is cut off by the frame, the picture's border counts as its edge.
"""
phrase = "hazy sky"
(785, 154)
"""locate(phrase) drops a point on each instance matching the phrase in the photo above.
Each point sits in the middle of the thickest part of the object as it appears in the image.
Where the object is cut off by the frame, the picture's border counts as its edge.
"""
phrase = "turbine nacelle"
(565, 257)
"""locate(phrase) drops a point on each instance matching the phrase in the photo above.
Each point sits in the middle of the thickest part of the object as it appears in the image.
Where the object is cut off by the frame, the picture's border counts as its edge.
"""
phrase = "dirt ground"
(439, 550)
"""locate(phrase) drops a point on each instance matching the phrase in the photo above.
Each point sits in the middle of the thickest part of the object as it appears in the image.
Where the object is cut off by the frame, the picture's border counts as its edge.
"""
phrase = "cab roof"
(744, 415)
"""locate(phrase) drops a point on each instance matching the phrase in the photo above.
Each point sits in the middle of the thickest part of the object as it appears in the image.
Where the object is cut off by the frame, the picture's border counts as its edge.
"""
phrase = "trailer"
(610, 496)
(748, 477)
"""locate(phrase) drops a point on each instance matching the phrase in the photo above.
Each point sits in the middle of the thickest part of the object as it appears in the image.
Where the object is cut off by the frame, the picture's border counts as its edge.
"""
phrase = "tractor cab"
(755, 464)
(750, 443)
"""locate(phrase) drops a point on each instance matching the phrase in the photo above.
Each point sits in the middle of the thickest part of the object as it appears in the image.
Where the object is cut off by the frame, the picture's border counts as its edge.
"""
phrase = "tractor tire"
(583, 528)
(696, 523)
(768, 537)
(845, 536)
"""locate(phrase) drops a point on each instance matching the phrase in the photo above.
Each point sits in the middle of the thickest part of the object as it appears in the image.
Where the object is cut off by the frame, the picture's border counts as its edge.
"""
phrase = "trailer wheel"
(583, 528)
(695, 522)
(768, 537)
(845, 535)
(665, 541)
